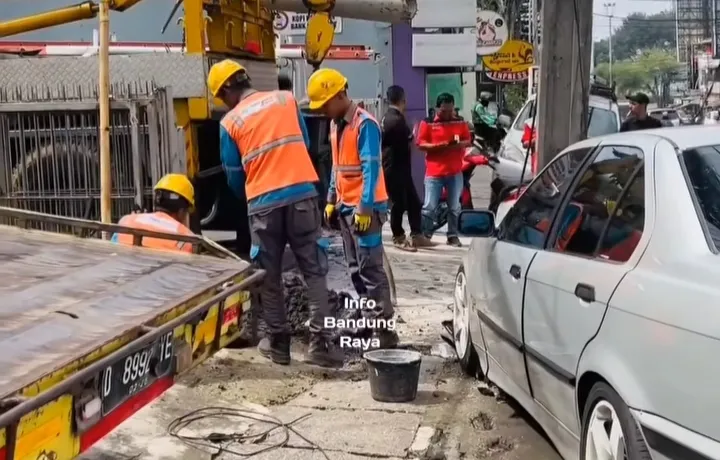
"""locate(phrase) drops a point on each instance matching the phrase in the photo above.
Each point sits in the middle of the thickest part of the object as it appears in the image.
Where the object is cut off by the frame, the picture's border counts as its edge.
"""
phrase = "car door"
(570, 283)
(520, 236)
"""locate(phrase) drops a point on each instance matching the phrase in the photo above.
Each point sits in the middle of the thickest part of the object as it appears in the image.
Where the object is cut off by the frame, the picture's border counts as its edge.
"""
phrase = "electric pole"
(104, 108)
(609, 10)
(564, 87)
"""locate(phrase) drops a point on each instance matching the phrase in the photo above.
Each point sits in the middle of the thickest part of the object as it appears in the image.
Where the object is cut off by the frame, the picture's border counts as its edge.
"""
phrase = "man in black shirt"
(397, 166)
(638, 117)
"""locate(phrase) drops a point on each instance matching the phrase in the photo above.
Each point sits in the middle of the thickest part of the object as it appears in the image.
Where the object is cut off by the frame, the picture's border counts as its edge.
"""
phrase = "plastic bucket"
(394, 374)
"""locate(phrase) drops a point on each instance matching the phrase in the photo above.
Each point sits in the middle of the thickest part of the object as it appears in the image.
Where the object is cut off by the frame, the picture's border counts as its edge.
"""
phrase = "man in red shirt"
(444, 138)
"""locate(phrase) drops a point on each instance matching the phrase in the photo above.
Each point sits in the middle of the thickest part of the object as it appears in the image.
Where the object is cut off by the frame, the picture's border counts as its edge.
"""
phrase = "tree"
(651, 71)
(638, 32)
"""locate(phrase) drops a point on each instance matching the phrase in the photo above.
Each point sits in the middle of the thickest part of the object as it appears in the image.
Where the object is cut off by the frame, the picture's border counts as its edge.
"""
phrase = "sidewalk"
(450, 419)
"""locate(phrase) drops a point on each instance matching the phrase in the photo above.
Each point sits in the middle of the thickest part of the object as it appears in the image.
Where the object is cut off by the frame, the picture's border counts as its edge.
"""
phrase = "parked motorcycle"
(474, 156)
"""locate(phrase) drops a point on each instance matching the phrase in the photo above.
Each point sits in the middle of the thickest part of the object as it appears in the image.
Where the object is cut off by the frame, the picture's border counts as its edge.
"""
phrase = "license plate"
(134, 372)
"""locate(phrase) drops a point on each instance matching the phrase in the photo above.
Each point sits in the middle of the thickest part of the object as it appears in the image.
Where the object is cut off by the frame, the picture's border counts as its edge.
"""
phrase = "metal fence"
(49, 149)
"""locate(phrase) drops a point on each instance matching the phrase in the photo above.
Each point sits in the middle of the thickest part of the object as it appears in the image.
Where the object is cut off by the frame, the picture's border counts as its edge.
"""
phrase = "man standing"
(263, 147)
(397, 165)
(357, 192)
(444, 139)
(173, 201)
(638, 117)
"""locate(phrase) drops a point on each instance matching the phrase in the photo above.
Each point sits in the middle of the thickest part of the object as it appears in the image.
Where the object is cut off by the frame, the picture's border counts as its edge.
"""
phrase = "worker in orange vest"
(357, 192)
(174, 199)
(264, 149)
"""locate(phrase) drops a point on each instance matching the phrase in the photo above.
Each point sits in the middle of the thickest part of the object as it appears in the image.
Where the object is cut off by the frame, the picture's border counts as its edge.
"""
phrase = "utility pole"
(609, 10)
(104, 107)
(564, 87)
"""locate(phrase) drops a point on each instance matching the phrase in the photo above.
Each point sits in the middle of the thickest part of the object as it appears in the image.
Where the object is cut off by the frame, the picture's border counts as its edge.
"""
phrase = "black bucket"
(394, 374)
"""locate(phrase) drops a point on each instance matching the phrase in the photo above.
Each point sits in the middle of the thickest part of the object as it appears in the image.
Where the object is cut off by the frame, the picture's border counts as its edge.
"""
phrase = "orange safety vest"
(155, 222)
(346, 162)
(267, 131)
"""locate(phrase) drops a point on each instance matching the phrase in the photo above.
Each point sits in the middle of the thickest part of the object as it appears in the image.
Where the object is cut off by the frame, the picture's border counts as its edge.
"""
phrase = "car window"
(627, 223)
(528, 221)
(602, 122)
(703, 176)
(594, 198)
(525, 113)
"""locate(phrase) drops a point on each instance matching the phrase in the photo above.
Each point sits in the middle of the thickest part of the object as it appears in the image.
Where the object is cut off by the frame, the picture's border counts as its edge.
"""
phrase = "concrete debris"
(443, 350)
(297, 307)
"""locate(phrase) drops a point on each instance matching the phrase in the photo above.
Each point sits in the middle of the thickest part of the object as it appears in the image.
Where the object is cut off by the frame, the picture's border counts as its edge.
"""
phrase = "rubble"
(296, 304)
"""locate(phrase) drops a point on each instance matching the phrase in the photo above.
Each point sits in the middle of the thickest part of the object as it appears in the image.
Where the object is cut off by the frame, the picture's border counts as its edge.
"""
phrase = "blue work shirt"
(232, 163)
(369, 150)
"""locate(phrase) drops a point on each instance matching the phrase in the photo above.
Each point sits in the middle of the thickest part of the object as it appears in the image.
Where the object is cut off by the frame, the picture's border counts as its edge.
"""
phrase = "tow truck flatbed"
(91, 331)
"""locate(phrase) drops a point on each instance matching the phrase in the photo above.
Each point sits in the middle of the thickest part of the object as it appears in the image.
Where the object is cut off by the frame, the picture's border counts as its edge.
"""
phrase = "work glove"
(362, 222)
(329, 211)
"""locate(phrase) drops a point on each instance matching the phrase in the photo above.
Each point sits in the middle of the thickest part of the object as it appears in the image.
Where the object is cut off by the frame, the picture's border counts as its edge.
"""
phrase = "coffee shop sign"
(514, 56)
(287, 23)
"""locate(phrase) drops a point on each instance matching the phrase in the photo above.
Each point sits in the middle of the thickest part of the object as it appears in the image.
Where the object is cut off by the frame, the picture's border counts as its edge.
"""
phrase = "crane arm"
(60, 16)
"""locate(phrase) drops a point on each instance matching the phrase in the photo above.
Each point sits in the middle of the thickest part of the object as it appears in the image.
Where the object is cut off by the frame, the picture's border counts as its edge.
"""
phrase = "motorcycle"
(475, 155)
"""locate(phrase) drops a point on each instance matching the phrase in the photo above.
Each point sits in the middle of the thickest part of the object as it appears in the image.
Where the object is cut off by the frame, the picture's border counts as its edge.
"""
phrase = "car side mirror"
(476, 223)
(504, 121)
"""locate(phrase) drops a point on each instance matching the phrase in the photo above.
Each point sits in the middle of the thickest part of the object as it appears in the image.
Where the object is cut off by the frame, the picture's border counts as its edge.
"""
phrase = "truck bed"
(62, 297)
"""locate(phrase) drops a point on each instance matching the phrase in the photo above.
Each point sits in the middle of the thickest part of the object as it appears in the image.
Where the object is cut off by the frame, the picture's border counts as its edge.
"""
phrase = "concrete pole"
(564, 76)
(104, 107)
(609, 10)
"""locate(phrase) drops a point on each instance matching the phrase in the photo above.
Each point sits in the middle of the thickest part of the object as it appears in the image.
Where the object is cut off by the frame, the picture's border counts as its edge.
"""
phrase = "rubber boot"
(276, 348)
(322, 352)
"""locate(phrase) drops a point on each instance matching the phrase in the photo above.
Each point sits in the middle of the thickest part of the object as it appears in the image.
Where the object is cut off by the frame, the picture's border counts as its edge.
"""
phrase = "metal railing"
(88, 228)
(49, 154)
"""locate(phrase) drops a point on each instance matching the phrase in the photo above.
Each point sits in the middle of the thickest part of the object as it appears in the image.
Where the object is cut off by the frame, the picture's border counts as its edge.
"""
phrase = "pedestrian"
(173, 202)
(357, 193)
(397, 165)
(263, 147)
(444, 139)
(529, 143)
(638, 117)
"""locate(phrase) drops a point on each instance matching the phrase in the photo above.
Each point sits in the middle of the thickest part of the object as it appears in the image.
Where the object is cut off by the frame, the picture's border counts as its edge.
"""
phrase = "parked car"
(603, 119)
(595, 303)
(668, 117)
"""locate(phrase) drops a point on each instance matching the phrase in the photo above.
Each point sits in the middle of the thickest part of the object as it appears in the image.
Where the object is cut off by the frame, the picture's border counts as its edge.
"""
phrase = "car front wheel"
(609, 430)
(461, 326)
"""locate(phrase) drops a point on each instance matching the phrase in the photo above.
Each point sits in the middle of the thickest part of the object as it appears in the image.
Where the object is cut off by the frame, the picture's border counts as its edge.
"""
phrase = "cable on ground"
(220, 443)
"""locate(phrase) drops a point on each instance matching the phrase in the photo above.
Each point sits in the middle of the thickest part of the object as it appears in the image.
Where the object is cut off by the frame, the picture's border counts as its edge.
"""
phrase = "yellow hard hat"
(220, 73)
(178, 184)
(323, 85)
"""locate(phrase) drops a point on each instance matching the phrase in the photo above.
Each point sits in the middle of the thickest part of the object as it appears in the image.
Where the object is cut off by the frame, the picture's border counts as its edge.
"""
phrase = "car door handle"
(585, 292)
(515, 271)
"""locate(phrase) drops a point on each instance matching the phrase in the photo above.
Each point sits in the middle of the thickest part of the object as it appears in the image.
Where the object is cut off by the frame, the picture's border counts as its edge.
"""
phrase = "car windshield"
(703, 175)
(602, 122)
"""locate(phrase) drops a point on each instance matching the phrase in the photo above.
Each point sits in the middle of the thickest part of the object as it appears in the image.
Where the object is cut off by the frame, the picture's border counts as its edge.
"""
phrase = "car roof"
(683, 137)
(666, 109)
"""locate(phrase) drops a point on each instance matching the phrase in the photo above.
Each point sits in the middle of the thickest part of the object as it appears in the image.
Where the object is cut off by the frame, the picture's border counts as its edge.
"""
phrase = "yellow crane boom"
(59, 16)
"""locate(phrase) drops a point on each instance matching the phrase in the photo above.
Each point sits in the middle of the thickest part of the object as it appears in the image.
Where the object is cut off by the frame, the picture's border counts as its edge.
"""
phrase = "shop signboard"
(491, 31)
(514, 56)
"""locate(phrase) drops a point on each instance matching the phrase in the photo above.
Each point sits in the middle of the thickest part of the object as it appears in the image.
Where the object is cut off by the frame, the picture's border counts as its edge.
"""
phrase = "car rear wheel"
(609, 430)
(461, 326)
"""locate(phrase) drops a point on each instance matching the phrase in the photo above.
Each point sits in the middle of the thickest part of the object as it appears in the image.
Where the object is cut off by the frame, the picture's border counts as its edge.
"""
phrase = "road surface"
(453, 416)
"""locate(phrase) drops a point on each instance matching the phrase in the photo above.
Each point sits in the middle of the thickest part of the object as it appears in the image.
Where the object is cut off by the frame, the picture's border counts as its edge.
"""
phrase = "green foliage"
(651, 72)
(638, 32)
(515, 97)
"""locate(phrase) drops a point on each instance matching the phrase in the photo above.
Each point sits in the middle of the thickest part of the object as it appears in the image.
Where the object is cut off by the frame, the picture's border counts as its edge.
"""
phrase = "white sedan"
(595, 303)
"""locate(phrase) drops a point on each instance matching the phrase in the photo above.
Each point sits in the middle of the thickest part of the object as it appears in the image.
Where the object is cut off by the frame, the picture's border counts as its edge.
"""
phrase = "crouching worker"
(357, 192)
(173, 201)
(263, 147)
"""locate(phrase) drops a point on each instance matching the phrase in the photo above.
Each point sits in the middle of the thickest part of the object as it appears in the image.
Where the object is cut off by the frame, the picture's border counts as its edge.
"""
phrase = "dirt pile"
(297, 307)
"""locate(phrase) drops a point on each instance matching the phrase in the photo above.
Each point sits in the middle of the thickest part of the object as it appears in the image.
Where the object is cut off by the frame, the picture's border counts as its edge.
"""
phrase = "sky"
(622, 8)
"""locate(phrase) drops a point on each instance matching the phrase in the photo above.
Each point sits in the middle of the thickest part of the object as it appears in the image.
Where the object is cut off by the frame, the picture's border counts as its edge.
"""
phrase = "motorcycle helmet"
(486, 96)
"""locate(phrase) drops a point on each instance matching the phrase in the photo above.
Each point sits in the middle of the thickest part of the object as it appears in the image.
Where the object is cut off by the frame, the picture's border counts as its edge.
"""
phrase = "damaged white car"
(596, 303)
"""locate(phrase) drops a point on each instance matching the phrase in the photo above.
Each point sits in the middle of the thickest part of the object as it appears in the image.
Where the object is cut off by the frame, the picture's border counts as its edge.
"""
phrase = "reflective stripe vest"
(155, 222)
(267, 131)
(346, 162)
